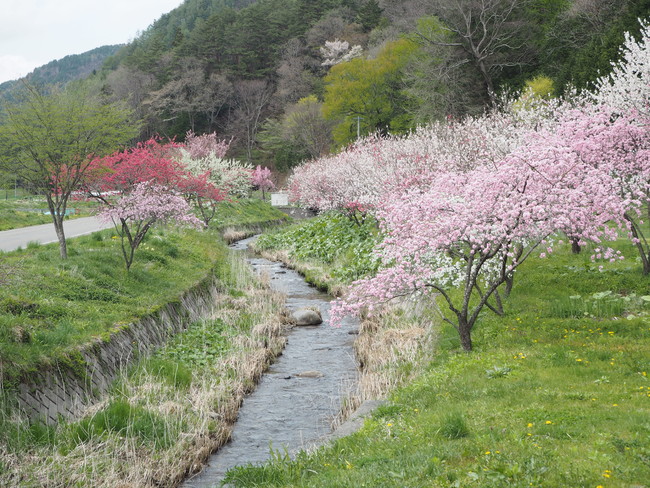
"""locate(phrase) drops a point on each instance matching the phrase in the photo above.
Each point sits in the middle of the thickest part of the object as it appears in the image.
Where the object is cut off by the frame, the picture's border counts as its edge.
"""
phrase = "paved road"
(11, 240)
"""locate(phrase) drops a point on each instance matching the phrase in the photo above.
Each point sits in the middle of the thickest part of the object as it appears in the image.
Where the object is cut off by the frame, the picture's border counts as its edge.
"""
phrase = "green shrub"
(453, 426)
(332, 239)
(124, 419)
(173, 373)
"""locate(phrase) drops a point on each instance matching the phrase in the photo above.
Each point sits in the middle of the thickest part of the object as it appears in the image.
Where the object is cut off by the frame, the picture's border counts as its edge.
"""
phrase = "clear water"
(287, 412)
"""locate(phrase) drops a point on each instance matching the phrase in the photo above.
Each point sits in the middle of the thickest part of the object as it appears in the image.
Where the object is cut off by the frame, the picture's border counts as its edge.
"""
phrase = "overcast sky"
(35, 32)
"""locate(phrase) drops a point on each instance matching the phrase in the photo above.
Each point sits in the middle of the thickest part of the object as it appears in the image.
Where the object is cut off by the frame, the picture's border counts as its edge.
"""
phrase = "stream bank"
(298, 398)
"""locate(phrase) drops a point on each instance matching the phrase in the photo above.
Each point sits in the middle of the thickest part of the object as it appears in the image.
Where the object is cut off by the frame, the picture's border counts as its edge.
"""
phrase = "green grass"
(244, 212)
(334, 240)
(556, 393)
(23, 212)
(49, 306)
(159, 417)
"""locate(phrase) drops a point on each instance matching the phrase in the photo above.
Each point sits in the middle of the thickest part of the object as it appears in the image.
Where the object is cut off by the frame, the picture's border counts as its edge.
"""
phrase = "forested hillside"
(295, 79)
(69, 68)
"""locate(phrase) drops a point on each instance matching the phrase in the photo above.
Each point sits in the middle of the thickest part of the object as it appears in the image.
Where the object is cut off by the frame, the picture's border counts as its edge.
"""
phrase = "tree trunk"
(575, 247)
(487, 79)
(509, 281)
(637, 239)
(60, 234)
(465, 331)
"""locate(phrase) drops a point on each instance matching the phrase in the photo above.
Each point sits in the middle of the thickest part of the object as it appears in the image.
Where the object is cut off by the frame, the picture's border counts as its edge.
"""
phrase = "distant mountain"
(70, 68)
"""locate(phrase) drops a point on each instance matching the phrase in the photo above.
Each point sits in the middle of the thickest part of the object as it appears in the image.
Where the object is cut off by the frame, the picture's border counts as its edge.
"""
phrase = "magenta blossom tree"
(261, 178)
(136, 212)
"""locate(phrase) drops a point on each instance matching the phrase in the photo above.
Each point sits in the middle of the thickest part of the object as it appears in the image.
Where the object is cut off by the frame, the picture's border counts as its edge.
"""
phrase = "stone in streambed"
(307, 316)
(310, 374)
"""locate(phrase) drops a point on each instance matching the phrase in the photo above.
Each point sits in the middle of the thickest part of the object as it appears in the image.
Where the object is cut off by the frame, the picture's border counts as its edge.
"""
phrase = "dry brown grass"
(318, 275)
(200, 419)
(232, 234)
(389, 349)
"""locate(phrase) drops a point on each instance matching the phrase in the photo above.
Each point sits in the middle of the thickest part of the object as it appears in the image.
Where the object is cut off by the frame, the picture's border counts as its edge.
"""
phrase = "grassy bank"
(163, 417)
(49, 306)
(161, 420)
(556, 393)
(330, 251)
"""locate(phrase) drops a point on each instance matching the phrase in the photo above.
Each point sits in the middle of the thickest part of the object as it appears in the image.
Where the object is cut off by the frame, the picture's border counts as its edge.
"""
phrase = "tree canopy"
(49, 141)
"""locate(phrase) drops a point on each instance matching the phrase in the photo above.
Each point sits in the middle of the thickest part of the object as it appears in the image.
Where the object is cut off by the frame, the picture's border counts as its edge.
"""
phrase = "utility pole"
(359, 126)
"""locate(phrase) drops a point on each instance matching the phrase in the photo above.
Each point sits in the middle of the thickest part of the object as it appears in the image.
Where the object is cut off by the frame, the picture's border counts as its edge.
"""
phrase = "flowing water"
(290, 410)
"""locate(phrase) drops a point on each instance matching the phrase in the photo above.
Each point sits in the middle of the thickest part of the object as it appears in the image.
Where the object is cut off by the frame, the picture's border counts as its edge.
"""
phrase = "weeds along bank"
(163, 416)
(555, 392)
(333, 250)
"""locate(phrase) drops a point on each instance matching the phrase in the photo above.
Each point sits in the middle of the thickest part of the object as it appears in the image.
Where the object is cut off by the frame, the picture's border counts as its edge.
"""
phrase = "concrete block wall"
(297, 213)
(64, 390)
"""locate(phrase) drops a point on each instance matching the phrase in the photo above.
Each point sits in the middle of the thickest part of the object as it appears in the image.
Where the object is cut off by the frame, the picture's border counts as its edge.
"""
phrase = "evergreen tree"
(369, 15)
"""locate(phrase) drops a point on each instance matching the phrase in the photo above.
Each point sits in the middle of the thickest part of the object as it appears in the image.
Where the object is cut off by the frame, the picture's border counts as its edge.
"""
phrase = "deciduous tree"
(251, 98)
(474, 229)
(135, 213)
(365, 93)
(261, 178)
(51, 139)
(491, 33)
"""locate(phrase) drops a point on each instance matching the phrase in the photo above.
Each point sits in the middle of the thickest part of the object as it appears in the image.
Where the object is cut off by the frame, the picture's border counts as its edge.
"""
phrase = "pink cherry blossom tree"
(464, 203)
(135, 213)
(473, 229)
(618, 144)
(261, 179)
(205, 145)
(364, 172)
(205, 156)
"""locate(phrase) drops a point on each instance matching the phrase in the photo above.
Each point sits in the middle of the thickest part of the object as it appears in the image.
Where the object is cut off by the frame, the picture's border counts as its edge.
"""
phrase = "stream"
(289, 411)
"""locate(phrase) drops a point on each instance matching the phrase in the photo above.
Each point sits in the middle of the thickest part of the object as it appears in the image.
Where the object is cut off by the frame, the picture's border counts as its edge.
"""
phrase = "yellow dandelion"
(529, 425)
(548, 422)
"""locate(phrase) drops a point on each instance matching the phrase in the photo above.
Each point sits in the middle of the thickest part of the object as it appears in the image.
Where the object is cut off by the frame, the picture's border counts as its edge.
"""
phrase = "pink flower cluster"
(206, 145)
(148, 203)
(474, 227)
(261, 178)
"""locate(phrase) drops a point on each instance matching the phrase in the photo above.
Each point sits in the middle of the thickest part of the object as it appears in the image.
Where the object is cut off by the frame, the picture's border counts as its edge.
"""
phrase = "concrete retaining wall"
(68, 387)
(297, 212)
